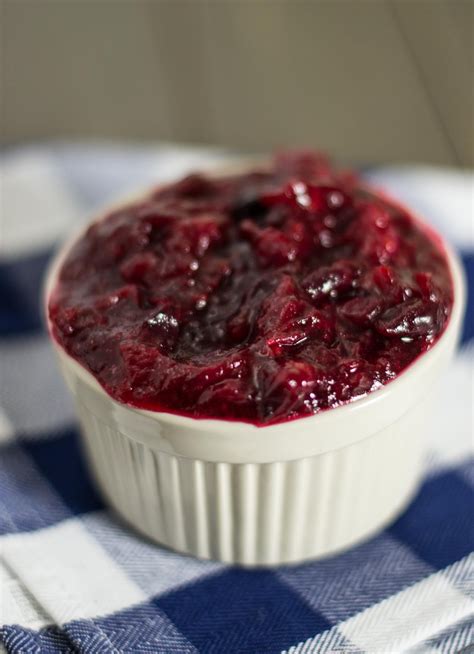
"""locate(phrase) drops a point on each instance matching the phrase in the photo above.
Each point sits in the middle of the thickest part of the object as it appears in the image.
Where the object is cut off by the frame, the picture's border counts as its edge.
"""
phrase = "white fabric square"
(450, 443)
(36, 207)
(155, 569)
(6, 428)
(68, 573)
(410, 616)
(17, 606)
(34, 395)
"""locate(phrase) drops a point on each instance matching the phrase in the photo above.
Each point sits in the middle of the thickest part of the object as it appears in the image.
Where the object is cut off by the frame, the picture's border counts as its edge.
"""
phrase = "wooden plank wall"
(372, 80)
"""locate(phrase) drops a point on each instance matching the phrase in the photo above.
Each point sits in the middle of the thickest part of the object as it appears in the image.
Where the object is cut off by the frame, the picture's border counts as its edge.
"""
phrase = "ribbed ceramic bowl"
(251, 495)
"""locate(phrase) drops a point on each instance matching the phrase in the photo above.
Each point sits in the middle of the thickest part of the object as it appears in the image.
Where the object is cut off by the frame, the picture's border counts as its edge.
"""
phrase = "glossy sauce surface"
(260, 297)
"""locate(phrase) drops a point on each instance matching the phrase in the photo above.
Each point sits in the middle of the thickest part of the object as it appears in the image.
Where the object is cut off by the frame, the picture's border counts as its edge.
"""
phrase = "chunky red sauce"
(259, 297)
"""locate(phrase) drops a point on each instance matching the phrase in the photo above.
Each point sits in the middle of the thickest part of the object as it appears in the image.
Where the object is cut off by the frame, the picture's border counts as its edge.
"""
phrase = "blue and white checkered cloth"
(73, 579)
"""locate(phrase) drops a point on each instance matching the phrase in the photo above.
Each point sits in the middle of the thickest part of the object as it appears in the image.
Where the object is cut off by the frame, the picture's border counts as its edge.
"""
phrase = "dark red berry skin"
(261, 297)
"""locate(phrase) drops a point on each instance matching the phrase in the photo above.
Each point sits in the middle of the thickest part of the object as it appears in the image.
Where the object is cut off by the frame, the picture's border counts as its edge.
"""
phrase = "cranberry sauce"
(260, 297)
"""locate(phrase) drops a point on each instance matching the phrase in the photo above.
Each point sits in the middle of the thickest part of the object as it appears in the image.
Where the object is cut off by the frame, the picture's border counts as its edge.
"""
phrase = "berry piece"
(362, 311)
(411, 319)
(330, 282)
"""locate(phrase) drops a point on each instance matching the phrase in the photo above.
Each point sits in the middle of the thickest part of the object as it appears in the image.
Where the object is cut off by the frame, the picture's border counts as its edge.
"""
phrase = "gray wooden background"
(373, 80)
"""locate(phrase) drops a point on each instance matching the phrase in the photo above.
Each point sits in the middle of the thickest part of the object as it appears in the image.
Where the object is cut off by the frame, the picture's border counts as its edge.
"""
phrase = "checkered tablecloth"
(73, 579)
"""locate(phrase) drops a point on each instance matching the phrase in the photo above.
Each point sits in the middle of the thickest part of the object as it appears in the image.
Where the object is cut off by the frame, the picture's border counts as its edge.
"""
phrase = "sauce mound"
(261, 297)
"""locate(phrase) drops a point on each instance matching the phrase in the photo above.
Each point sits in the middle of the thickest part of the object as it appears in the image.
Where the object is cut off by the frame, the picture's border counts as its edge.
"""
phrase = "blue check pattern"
(74, 579)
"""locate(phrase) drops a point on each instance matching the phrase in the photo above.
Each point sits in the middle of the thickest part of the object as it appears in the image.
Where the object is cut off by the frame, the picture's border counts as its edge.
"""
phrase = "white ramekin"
(268, 495)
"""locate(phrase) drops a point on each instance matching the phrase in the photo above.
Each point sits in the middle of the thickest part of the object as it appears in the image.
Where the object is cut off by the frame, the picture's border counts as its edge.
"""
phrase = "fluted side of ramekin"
(257, 513)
